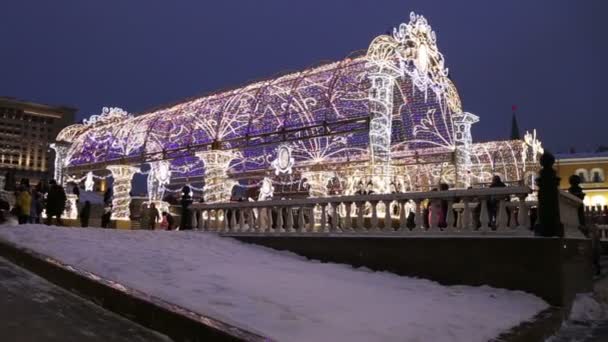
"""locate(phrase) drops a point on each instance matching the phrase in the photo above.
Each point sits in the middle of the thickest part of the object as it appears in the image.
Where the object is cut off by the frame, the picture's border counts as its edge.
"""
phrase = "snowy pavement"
(35, 310)
(281, 295)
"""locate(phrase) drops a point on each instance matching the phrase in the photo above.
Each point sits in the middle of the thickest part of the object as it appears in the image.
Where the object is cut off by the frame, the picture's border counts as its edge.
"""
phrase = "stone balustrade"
(473, 211)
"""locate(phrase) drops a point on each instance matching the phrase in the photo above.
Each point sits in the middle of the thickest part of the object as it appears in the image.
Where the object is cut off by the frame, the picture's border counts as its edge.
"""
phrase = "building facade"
(26, 130)
(591, 168)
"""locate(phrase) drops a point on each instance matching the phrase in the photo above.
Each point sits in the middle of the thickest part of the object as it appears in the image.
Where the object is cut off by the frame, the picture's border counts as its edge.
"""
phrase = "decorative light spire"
(514, 126)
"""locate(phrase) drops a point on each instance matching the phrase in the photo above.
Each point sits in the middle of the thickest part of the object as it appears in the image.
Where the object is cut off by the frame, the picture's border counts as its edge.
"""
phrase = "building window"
(597, 175)
(583, 174)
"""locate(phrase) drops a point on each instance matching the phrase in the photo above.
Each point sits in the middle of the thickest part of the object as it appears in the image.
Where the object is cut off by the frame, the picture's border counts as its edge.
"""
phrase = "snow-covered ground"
(281, 295)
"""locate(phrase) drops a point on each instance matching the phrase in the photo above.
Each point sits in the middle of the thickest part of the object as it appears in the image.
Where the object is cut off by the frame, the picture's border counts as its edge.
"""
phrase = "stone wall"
(552, 268)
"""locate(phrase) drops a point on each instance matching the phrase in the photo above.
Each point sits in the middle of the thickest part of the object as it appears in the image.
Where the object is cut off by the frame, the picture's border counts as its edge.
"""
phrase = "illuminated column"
(158, 177)
(218, 186)
(381, 112)
(61, 152)
(122, 174)
(463, 141)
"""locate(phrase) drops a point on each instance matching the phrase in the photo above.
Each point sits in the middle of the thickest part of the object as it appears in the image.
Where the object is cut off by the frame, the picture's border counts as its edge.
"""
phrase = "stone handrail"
(569, 214)
(487, 210)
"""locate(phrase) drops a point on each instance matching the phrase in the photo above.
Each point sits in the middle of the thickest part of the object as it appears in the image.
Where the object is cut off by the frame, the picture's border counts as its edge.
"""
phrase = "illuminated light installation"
(284, 161)
(464, 141)
(158, 177)
(122, 174)
(389, 116)
(89, 182)
(218, 185)
(533, 144)
(61, 152)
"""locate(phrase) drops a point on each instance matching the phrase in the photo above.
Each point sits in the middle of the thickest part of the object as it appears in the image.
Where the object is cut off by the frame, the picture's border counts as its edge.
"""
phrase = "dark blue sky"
(543, 56)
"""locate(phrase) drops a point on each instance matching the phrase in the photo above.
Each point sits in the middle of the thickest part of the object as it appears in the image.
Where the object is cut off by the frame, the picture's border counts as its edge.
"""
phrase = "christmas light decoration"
(388, 119)
(122, 174)
(89, 182)
(218, 186)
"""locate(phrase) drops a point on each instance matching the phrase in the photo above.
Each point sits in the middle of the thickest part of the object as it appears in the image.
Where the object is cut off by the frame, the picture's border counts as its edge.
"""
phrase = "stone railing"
(475, 211)
(569, 214)
(598, 216)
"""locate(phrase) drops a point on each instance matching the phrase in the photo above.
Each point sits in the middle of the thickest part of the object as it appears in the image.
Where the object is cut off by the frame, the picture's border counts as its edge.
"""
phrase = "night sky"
(544, 56)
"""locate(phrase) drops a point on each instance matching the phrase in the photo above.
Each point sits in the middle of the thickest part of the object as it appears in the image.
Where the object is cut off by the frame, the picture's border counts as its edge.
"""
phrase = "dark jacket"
(85, 213)
(55, 201)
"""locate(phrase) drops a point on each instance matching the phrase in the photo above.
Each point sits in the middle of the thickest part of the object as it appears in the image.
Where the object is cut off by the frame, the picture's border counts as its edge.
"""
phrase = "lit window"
(583, 174)
(597, 175)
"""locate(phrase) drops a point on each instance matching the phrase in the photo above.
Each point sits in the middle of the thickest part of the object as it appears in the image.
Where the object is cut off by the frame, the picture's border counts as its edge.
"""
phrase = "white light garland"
(122, 174)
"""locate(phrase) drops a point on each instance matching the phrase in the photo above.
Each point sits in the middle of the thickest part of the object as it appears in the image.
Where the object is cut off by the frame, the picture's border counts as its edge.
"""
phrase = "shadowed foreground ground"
(36, 310)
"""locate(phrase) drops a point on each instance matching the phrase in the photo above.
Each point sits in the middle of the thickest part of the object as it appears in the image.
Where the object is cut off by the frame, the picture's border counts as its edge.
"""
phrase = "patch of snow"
(281, 295)
(586, 308)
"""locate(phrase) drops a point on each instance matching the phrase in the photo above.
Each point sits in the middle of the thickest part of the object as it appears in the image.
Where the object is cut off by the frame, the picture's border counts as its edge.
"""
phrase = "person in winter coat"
(85, 213)
(24, 204)
(36, 207)
(153, 216)
(55, 202)
(186, 201)
(107, 215)
(167, 221)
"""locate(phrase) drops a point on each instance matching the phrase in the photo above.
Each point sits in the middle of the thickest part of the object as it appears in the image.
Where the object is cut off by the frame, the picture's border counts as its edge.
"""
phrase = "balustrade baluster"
(418, 216)
(224, 222)
(433, 215)
(484, 218)
(335, 219)
(289, 226)
(250, 220)
(374, 220)
(323, 217)
(502, 215)
(347, 220)
(279, 220)
(523, 217)
(311, 217)
(388, 220)
(466, 215)
(205, 220)
(360, 211)
(241, 226)
(269, 221)
(216, 221)
(402, 217)
(449, 220)
(301, 223)
(232, 220)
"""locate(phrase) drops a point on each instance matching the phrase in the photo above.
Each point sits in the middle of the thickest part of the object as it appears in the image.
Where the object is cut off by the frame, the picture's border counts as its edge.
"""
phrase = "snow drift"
(281, 295)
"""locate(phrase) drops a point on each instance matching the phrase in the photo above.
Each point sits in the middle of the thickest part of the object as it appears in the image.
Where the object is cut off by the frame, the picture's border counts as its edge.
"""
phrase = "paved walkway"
(35, 310)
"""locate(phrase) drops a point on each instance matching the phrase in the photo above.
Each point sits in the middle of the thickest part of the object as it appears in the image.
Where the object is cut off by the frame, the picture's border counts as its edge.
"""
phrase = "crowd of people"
(31, 201)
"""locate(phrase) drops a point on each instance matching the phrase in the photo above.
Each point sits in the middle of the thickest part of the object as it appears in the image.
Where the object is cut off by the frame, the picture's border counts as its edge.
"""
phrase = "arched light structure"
(389, 116)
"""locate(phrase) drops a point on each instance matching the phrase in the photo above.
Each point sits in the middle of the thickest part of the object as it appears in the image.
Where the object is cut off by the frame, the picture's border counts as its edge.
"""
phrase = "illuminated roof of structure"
(322, 112)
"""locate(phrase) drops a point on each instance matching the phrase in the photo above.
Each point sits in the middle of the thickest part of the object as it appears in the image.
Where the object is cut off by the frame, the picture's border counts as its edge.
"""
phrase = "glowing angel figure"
(89, 182)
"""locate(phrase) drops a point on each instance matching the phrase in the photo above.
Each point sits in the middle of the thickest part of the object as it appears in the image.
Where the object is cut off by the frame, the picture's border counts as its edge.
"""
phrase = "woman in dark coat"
(186, 201)
(85, 213)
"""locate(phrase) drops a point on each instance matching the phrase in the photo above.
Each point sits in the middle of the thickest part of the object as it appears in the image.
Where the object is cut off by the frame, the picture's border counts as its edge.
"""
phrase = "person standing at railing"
(493, 202)
(186, 201)
(55, 203)
(576, 190)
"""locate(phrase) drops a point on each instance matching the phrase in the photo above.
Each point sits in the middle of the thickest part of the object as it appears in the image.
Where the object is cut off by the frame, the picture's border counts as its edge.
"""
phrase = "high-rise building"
(26, 130)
